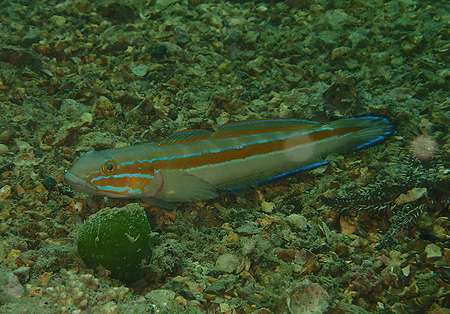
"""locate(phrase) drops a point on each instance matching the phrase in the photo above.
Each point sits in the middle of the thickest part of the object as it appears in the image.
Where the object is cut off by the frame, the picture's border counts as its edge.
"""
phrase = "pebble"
(109, 308)
(5, 192)
(69, 132)
(297, 221)
(410, 196)
(228, 263)
(180, 300)
(262, 311)
(96, 140)
(248, 228)
(267, 207)
(10, 287)
(23, 274)
(6, 135)
(49, 183)
(261, 8)
(248, 246)
(161, 297)
(87, 118)
(339, 52)
(432, 250)
(104, 108)
(58, 20)
(3, 149)
(23, 146)
(308, 297)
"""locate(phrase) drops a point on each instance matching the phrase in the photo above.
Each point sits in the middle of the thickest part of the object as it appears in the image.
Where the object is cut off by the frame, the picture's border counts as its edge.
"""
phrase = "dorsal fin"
(186, 136)
(263, 126)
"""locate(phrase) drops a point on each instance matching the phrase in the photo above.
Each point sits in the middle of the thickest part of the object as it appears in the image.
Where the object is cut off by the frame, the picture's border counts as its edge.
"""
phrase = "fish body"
(197, 164)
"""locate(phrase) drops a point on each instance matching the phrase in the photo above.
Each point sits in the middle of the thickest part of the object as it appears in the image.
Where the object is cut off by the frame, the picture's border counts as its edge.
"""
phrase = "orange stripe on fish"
(251, 150)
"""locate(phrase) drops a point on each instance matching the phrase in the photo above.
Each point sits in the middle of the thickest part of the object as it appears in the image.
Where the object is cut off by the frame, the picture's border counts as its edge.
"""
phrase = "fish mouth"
(77, 183)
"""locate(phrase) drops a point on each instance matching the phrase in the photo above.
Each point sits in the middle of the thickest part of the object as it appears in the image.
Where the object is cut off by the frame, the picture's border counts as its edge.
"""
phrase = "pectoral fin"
(183, 187)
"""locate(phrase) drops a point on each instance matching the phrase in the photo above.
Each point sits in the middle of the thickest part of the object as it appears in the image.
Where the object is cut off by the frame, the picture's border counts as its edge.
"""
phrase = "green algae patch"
(119, 240)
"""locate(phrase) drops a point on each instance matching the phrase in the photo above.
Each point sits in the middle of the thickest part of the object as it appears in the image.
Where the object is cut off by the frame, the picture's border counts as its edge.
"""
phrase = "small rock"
(225, 308)
(10, 287)
(261, 8)
(140, 70)
(58, 20)
(440, 232)
(20, 57)
(297, 221)
(344, 307)
(116, 294)
(158, 51)
(109, 308)
(161, 297)
(23, 274)
(220, 285)
(248, 228)
(118, 12)
(72, 109)
(89, 281)
(23, 146)
(432, 250)
(96, 140)
(299, 4)
(410, 196)
(180, 300)
(87, 118)
(248, 246)
(162, 4)
(348, 224)
(104, 108)
(49, 183)
(267, 207)
(6, 136)
(3, 149)
(69, 132)
(339, 52)
(406, 270)
(228, 263)
(31, 37)
(181, 36)
(262, 311)
(308, 297)
(5, 192)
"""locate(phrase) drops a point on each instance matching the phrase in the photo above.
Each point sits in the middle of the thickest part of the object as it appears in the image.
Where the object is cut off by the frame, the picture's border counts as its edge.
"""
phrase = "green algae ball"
(118, 239)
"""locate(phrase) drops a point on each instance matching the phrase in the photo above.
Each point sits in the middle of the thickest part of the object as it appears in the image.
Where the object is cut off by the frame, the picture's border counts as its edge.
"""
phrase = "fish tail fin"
(369, 130)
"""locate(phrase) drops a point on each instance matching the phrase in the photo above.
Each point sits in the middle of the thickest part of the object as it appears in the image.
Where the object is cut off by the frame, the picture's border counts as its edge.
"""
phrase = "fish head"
(111, 173)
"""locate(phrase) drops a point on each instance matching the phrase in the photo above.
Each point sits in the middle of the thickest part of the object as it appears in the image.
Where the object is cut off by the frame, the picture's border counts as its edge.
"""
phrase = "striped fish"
(197, 164)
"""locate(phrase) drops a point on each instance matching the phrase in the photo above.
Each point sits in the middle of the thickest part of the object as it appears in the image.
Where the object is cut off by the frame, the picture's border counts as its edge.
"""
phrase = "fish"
(195, 165)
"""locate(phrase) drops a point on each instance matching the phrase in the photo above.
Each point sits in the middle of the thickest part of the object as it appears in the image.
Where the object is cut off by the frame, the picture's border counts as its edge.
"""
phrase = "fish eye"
(108, 167)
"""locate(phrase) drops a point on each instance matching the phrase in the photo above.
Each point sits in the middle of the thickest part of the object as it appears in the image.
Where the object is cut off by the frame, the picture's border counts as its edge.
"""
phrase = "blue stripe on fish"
(371, 143)
(125, 175)
(115, 189)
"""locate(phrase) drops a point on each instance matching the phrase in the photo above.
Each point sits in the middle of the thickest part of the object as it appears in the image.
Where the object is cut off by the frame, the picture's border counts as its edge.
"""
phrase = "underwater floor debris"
(369, 232)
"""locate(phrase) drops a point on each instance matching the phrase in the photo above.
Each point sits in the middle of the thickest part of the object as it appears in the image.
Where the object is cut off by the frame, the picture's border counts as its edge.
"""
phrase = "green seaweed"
(118, 239)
